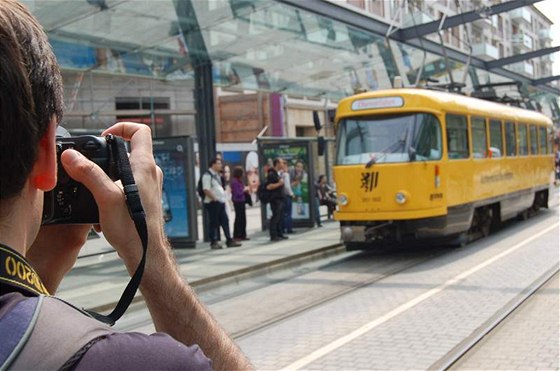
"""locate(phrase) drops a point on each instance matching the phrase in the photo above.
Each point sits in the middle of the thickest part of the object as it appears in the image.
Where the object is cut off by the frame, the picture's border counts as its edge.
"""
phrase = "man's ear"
(43, 175)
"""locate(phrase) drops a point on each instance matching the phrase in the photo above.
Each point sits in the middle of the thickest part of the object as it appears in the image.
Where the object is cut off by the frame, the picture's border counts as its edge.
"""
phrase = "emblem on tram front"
(369, 181)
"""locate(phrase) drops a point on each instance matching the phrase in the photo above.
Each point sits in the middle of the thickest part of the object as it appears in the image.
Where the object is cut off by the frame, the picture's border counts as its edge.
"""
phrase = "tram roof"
(435, 101)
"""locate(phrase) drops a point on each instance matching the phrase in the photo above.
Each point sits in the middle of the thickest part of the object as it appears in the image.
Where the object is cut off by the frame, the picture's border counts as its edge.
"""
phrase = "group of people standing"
(281, 185)
(214, 187)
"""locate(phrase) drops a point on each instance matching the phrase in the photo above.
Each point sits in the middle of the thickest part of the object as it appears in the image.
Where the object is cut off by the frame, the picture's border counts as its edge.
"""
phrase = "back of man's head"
(30, 94)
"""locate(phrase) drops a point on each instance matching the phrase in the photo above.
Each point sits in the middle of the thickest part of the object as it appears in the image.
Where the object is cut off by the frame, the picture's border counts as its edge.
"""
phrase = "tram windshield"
(389, 139)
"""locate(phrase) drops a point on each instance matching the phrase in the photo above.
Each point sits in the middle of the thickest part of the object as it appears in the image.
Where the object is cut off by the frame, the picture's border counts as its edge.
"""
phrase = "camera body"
(70, 202)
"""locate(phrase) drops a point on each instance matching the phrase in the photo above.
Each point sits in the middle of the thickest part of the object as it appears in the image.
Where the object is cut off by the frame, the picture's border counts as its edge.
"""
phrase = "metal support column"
(203, 91)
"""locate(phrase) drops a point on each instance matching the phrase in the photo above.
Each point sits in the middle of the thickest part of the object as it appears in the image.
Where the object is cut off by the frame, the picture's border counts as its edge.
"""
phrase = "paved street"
(410, 320)
(395, 310)
(529, 340)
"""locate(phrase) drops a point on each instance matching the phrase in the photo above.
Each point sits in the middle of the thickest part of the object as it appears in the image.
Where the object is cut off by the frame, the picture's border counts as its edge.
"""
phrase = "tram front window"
(389, 139)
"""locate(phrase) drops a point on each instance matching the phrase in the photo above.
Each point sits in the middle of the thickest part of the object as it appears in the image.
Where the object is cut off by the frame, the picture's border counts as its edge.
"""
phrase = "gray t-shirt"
(129, 350)
(136, 351)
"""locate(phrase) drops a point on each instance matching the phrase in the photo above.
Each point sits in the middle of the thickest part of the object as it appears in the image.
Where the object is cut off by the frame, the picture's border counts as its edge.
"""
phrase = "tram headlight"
(342, 199)
(401, 198)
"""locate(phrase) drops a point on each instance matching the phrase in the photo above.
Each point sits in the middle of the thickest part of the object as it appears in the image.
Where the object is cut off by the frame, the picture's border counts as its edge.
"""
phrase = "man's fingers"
(139, 135)
(92, 176)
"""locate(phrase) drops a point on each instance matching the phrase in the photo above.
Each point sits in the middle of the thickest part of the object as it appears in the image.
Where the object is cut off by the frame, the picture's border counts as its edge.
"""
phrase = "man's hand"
(55, 251)
(114, 219)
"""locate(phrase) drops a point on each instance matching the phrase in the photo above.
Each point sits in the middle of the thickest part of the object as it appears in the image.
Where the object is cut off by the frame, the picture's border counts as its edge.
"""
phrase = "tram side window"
(496, 146)
(523, 145)
(534, 139)
(542, 140)
(510, 139)
(457, 137)
(550, 140)
(478, 126)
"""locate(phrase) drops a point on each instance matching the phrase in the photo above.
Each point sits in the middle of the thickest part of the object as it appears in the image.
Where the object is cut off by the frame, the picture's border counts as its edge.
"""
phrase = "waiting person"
(238, 193)
(275, 185)
(287, 225)
(62, 337)
(215, 204)
(325, 195)
(316, 204)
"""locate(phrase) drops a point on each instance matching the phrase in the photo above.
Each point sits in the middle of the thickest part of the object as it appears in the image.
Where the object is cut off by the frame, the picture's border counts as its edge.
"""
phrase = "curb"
(247, 272)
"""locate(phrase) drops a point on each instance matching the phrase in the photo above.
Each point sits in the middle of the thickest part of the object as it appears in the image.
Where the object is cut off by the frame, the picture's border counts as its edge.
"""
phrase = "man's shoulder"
(133, 350)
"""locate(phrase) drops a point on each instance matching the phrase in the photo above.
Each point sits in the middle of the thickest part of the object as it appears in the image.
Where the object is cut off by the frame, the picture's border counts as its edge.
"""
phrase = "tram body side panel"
(509, 181)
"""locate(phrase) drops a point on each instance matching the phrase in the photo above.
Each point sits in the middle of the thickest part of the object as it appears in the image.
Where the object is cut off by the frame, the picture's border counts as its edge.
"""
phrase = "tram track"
(331, 297)
(337, 258)
(462, 348)
(455, 355)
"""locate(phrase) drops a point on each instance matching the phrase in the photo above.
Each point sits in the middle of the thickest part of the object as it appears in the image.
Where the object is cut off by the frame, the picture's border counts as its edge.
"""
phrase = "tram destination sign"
(375, 103)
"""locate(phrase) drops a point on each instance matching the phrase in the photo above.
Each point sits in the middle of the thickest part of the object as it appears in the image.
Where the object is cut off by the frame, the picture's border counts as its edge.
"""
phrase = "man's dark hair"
(215, 160)
(30, 94)
(276, 161)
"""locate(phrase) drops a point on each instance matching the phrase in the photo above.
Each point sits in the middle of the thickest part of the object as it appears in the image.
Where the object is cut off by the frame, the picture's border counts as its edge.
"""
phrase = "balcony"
(524, 68)
(520, 15)
(522, 41)
(485, 51)
(548, 58)
(483, 23)
(545, 34)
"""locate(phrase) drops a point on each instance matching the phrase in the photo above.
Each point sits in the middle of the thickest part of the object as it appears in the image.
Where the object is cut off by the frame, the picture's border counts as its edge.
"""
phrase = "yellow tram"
(415, 164)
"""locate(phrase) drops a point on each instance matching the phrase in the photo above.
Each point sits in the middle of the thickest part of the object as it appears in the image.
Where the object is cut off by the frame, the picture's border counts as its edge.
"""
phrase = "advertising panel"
(297, 154)
(174, 157)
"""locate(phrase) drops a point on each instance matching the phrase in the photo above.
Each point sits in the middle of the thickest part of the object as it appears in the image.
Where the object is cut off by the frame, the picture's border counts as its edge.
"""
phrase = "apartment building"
(492, 37)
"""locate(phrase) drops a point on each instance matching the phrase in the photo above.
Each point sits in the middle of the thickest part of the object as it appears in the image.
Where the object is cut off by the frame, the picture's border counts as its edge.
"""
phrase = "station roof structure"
(311, 48)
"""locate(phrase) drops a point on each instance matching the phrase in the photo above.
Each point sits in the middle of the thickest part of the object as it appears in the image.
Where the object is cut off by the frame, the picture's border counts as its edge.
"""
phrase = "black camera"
(70, 202)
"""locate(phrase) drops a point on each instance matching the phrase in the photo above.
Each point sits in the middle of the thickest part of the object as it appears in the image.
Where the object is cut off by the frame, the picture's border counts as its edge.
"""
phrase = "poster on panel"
(297, 154)
(174, 156)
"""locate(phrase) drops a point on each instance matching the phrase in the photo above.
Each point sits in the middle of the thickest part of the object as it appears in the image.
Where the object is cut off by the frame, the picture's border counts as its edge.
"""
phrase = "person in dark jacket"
(275, 185)
(239, 192)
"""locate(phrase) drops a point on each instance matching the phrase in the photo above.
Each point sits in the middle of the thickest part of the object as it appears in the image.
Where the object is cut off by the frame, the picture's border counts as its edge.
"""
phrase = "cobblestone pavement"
(527, 340)
(401, 335)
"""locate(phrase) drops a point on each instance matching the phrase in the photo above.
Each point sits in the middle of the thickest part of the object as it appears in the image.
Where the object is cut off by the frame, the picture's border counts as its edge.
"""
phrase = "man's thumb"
(88, 173)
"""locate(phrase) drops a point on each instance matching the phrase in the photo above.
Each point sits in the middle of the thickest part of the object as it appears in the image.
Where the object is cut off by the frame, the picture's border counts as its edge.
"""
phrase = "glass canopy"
(253, 44)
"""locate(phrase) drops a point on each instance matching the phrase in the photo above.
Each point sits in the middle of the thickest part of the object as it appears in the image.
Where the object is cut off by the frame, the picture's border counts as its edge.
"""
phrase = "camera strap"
(16, 274)
(136, 212)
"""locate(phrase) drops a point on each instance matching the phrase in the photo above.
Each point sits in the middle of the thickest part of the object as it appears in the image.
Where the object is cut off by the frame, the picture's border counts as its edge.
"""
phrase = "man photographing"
(39, 331)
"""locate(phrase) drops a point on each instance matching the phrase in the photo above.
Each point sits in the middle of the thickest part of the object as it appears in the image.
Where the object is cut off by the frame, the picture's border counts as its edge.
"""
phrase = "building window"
(139, 109)
(358, 3)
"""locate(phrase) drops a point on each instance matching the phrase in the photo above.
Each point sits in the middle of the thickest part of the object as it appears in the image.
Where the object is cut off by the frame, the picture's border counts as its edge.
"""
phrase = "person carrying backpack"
(215, 204)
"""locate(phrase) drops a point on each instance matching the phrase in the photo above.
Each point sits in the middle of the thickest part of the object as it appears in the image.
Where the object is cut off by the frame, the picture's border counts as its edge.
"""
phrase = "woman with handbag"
(239, 193)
